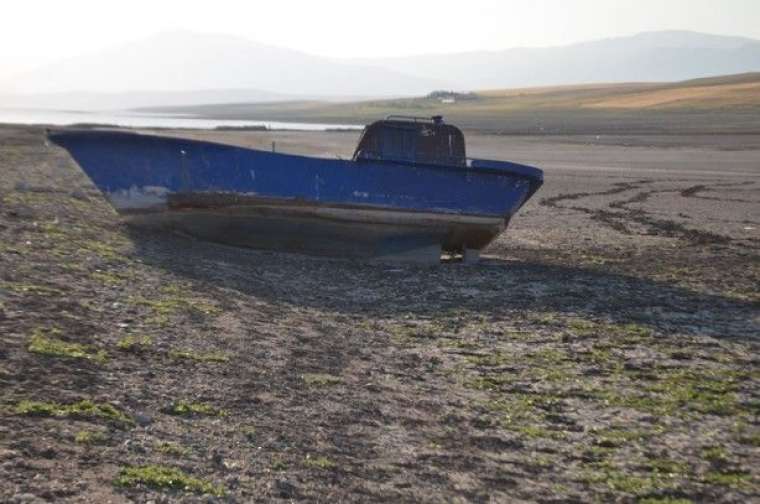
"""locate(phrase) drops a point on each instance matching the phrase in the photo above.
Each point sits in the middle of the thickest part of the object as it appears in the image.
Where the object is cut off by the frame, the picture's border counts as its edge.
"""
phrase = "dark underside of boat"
(322, 230)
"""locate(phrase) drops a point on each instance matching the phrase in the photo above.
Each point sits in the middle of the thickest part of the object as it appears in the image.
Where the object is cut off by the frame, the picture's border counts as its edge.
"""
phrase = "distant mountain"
(185, 68)
(186, 61)
(646, 57)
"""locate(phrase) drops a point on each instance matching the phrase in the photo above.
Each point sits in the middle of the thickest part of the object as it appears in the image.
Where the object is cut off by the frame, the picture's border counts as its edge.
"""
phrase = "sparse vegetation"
(249, 433)
(595, 358)
(750, 439)
(166, 478)
(172, 449)
(619, 437)
(31, 289)
(715, 454)
(86, 410)
(108, 278)
(319, 462)
(278, 465)
(101, 248)
(733, 479)
(49, 346)
(680, 392)
(184, 408)
(321, 379)
(667, 467)
(622, 481)
(90, 437)
(535, 431)
(173, 300)
(133, 343)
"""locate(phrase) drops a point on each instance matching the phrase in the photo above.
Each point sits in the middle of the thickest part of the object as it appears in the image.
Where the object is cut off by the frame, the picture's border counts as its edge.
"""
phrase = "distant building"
(449, 97)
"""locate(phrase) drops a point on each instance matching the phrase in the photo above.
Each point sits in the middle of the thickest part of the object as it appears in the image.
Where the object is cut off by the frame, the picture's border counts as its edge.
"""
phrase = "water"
(143, 120)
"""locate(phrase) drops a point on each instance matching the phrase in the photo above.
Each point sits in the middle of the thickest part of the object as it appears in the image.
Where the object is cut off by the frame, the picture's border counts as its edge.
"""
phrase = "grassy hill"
(729, 103)
(734, 91)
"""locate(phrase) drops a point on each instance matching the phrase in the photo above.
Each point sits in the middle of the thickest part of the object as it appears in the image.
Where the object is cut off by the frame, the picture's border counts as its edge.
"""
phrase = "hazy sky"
(34, 32)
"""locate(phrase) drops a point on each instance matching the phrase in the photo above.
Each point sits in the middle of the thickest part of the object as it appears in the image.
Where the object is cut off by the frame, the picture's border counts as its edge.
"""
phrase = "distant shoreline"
(717, 105)
(127, 119)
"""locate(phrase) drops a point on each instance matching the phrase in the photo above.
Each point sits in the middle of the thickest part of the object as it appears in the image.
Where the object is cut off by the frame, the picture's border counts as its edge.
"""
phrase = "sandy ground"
(605, 350)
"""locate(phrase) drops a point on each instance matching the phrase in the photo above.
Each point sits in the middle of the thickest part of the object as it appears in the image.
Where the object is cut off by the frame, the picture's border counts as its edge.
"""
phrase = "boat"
(408, 193)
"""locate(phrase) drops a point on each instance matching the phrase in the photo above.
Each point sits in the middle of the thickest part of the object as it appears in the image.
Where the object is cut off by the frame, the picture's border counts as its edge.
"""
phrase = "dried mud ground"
(605, 350)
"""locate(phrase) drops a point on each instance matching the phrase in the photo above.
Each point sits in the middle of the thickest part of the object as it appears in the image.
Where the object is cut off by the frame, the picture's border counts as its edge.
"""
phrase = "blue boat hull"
(325, 206)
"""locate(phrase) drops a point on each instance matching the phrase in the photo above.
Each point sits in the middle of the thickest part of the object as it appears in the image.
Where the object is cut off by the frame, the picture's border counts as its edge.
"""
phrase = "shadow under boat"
(409, 192)
(495, 287)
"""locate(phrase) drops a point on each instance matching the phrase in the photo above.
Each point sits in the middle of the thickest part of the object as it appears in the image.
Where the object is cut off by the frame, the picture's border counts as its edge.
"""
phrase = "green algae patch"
(134, 344)
(108, 278)
(278, 465)
(173, 300)
(31, 289)
(90, 437)
(716, 454)
(733, 479)
(684, 391)
(50, 346)
(622, 481)
(321, 379)
(184, 408)
(106, 251)
(166, 478)
(322, 463)
(750, 440)
(86, 410)
(618, 437)
(172, 449)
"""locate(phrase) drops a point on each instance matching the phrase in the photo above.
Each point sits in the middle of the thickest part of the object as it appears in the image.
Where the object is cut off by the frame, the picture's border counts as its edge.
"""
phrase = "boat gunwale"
(535, 175)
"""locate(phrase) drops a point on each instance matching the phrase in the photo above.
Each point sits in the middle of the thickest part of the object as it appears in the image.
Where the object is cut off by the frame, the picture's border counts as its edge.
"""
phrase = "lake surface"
(142, 120)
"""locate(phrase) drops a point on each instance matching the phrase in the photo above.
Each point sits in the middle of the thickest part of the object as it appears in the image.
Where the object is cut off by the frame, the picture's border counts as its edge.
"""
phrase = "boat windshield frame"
(414, 140)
